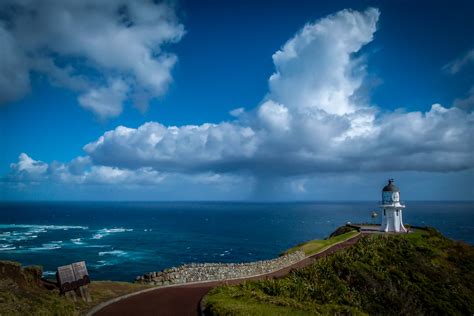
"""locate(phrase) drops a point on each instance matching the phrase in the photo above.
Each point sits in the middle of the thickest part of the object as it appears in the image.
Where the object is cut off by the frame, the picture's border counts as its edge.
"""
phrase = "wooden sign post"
(82, 277)
(74, 279)
(66, 279)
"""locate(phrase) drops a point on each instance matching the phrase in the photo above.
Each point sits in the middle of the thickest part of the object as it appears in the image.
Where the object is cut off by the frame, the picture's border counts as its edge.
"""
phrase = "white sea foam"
(7, 248)
(24, 232)
(41, 227)
(48, 246)
(49, 273)
(77, 241)
(118, 253)
(100, 263)
(17, 236)
(107, 231)
(115, 230)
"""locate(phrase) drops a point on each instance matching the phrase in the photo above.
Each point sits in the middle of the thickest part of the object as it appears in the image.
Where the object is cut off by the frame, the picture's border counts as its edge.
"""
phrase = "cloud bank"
(108, 51)
(311, 121)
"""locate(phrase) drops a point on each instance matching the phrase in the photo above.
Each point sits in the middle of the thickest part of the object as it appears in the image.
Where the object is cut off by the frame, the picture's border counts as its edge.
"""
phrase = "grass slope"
(314, 246)
(419, 273)
(21, 293)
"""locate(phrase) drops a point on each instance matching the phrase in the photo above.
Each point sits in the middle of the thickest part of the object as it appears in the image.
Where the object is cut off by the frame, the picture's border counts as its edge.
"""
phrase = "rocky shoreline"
(196, 272)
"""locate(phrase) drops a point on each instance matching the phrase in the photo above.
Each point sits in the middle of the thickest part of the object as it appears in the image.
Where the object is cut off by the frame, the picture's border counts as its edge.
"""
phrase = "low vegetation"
(314, 246)
(22, 293)
(421, 273)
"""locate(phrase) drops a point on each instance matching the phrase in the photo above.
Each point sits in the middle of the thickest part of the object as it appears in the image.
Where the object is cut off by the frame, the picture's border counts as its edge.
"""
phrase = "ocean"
(121, 240)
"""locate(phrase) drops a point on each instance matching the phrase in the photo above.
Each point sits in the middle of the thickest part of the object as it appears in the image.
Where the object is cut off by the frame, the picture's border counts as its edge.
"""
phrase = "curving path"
(184, 299)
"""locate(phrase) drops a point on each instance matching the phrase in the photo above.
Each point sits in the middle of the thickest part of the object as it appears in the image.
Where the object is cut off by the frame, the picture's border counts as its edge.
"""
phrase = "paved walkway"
(184, 299)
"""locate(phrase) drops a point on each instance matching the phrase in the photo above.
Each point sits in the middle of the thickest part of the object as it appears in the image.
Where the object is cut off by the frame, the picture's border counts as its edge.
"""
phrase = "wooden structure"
(73, 280)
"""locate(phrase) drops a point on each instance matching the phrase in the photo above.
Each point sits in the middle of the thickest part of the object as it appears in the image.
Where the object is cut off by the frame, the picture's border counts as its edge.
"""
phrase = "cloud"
(318, 128)
(78, 171)
(438, 140)
(105, 101)
(173, 148)
(86, 45)
(315, 68)
(237, 112)
(460, 63)
(311, 121)
(28, 169)
(466, 103)
(14, 77)
(81, 179)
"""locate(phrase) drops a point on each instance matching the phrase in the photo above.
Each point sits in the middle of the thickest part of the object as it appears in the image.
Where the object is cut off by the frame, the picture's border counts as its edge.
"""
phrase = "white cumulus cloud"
(85, 45)
(315, 69)
(105, 101)
(308, 122)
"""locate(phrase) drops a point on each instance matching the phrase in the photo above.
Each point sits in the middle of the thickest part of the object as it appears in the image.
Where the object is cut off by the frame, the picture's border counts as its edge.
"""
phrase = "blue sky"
(62, 86)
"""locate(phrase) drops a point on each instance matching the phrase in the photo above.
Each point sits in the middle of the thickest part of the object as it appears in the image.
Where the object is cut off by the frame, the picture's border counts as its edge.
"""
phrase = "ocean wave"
(77, 241)
(99, 264)
(115, 230)
(48, 246)
(7, 248)
(17, 236)
(45, 227)
(23, 232)
(118, 253)
(97, 236)
(49, 273)
(107, 231)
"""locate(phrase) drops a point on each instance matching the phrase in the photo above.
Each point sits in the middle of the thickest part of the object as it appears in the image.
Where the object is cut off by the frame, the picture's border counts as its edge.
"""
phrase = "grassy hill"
(413, 274)
(22, 293)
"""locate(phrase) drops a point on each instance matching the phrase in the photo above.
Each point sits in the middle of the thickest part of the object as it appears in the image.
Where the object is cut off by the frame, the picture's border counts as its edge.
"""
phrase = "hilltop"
(416, 274)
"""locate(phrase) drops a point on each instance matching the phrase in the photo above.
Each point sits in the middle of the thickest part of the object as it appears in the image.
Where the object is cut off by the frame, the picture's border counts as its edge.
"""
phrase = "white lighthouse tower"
(392, 220)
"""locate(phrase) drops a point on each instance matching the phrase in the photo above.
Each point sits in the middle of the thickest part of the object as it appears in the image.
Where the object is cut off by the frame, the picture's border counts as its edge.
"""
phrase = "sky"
(236, 100)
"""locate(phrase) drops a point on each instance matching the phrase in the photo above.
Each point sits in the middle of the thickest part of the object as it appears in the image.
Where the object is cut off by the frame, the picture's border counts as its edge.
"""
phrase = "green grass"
(22, 294)
(421, 273)
(232, 300)
(314, 246)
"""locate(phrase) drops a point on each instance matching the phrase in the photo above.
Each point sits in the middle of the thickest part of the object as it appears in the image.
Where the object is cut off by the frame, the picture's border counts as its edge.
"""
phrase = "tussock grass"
(421, 273)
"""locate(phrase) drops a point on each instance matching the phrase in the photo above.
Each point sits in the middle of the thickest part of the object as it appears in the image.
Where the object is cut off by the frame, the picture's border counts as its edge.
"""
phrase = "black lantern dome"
(390, 187)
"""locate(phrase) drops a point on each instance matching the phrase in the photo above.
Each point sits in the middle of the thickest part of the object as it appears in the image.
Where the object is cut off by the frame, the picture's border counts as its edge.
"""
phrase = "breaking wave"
(107, 231)
(118, 253)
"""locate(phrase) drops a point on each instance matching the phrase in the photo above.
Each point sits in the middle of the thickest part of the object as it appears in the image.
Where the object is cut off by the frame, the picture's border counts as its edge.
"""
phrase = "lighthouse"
(392, 219)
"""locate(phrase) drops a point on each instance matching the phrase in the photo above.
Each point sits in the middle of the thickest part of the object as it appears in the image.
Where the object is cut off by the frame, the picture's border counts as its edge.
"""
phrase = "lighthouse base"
(392, 220)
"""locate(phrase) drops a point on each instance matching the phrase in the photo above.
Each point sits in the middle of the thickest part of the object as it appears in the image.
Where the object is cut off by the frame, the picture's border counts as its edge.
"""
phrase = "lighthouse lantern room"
(392, 219)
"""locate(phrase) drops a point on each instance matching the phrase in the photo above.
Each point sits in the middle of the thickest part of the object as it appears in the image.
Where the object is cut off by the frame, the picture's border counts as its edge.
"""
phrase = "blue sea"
(121, 240)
